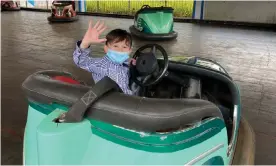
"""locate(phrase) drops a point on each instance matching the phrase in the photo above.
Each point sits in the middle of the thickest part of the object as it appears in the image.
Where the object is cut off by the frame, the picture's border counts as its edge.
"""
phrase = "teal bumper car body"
(188, 114)
(154, 23)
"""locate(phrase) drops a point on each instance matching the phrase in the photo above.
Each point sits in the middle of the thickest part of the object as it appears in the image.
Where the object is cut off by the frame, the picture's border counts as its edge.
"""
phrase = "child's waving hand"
(92, 34)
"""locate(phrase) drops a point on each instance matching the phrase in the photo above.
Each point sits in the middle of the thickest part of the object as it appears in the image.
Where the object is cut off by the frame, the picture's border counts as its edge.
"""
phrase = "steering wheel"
(6, 5)
(145, 6)
(147, 65)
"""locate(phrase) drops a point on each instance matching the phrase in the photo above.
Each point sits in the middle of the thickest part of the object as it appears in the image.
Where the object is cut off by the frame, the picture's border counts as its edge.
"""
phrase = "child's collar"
(126, 63)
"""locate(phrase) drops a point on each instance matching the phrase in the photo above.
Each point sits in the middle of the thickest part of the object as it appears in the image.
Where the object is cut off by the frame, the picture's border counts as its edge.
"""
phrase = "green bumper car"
(154, 23)
(185, 110)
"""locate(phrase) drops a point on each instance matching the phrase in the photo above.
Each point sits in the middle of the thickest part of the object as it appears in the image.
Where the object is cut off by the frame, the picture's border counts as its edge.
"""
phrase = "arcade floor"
(29, 43)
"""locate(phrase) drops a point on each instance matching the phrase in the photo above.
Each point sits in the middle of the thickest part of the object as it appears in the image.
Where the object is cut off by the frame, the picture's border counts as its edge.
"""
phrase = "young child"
(114, 64)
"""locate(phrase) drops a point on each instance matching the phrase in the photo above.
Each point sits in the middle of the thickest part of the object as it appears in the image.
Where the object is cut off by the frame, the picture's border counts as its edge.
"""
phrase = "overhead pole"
(198, 10)
(81, 5)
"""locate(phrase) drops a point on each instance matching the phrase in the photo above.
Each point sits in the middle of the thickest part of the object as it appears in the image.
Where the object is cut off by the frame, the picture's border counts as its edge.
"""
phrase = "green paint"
(64, 143)
(92, 142)
(155, 22)
(30, 140)
(218, 160)
(46, 108)
(154, 142)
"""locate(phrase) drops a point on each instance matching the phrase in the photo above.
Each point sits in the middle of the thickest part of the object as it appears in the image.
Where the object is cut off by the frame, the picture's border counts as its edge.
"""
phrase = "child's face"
(121, 46)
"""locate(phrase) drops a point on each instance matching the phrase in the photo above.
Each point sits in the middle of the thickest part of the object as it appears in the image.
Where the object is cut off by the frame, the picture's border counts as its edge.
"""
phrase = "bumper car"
(185, 110)
(9, 6)
(63, 11)
(154, 23)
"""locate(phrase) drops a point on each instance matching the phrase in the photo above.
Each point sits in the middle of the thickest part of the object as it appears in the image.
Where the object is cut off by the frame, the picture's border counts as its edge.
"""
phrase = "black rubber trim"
(198, 71)
(139, 34)
(69, 19)
(11, 9)
(78, 109)
(63, 3)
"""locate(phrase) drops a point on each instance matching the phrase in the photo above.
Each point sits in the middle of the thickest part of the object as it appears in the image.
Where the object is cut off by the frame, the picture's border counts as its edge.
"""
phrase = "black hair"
(118, 35)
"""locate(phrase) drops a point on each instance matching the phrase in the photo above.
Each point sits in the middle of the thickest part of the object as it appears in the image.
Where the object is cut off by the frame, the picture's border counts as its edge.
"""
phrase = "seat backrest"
(132, 112)
(152, 9)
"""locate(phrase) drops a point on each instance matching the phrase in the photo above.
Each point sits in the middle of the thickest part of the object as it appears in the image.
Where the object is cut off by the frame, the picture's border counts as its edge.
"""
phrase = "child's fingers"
(102, 40)
(133, 61)
(100, 26)
(101, 30)
(90, 24)
(97, 24)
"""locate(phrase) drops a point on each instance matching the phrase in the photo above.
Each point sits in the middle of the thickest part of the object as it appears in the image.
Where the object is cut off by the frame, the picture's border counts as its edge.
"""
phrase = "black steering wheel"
(145, 6)
(147, 65)
(6, 5)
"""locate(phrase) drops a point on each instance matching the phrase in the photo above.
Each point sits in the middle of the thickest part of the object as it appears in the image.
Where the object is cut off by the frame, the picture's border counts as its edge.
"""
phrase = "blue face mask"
(117, 57)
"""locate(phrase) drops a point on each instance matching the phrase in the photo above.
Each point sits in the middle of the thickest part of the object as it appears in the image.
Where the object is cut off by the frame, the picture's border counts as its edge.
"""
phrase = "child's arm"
(81, 54)
(83, 60)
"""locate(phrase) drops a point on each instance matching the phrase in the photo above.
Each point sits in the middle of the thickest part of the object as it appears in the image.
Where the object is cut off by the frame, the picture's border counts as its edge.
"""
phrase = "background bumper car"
(186, 110)
(63, 11)
(9, 6)
(154, 23)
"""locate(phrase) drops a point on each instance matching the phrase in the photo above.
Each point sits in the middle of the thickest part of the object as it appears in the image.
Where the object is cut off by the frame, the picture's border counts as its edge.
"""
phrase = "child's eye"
(115, 46)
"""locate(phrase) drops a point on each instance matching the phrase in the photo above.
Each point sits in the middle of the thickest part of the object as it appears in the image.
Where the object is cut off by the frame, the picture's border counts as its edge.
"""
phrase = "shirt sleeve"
(83, 60)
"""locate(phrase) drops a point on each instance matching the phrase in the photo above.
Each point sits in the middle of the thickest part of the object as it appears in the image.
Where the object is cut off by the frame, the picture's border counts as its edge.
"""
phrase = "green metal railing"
(129, 7)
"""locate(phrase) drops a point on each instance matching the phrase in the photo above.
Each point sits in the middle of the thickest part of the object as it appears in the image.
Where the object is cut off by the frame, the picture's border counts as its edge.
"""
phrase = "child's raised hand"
(132, 61)
(92, 34)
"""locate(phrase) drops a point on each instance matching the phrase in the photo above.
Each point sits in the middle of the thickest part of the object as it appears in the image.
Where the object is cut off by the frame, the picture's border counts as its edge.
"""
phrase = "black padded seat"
(132, 112)
(62, 3)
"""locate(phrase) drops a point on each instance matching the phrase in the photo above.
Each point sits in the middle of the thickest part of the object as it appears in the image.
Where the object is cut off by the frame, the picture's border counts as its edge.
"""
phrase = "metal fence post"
(47, 3)
(98, 6)
(129, 7)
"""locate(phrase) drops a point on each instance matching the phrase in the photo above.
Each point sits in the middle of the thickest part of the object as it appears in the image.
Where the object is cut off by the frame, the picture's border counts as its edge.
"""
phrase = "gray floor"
(29, 43)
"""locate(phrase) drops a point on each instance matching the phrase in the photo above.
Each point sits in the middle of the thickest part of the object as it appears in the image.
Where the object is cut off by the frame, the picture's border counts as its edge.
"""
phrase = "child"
(117, 47)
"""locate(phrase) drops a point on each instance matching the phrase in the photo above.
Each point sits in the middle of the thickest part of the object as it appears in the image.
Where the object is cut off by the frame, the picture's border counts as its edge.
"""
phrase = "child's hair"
(118, 35)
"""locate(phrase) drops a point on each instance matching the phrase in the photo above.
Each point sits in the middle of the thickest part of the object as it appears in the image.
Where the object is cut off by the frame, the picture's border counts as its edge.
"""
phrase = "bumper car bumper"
(167, 36)
(10, 9)
(245, 147)
(62, 19)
